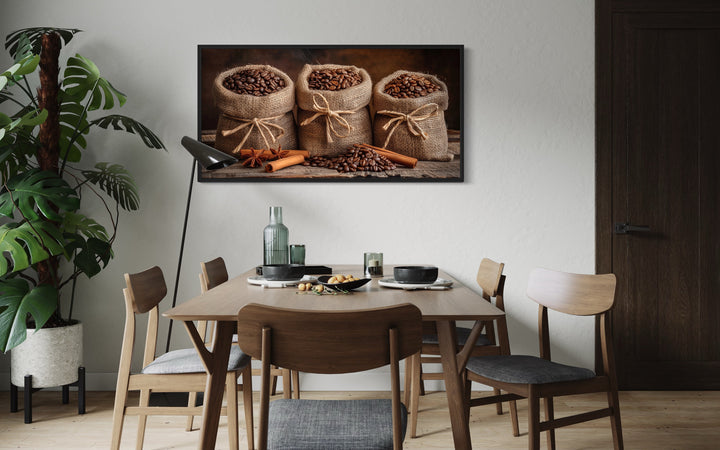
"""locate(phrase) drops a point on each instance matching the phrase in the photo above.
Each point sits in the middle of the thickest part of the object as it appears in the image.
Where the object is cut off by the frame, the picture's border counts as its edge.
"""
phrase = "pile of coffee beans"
(358, 158)
(410, 86)
(255, 82)
(333, 79)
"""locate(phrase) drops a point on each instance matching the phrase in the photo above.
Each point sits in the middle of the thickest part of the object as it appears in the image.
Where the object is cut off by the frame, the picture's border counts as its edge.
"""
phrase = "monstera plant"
(47, 240)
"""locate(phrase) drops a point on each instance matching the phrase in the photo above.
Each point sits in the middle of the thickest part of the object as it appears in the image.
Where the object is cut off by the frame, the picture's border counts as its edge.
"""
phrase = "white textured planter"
(52, 356)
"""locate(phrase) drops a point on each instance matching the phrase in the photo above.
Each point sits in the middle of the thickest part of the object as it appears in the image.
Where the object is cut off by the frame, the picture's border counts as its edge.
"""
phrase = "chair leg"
(248, 405)
(192, 397)
(287, 384)
(296, 384)
(273, 382)
(550, 415)
(415, 382)
(119, 411)
(466, 399)
(422, 382)
(142, 419)
(232, 409)
(615, 423)
(498, 405)
(514, 418)
(408, 380)
(533, 420)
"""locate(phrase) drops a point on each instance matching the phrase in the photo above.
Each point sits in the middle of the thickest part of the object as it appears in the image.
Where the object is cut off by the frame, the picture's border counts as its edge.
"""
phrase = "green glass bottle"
(275, 239)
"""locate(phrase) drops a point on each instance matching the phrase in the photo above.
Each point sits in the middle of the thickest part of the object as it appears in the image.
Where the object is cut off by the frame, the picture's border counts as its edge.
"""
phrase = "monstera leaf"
(17, 152)
(22, 67)
(17, 301)
(88, 254)
(38, 191)
(28, 243)
(117, 182)
(80, 224)
(73, 128)
(124, 123)
(15, 42)
(82, 78)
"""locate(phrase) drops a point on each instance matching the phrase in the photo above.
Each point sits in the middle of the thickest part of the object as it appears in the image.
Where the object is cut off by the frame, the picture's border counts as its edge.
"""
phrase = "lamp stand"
(182, 248)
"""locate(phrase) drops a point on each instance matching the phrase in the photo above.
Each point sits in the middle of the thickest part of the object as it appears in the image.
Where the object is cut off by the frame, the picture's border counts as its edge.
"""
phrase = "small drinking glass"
(297, 254)
(373, 264)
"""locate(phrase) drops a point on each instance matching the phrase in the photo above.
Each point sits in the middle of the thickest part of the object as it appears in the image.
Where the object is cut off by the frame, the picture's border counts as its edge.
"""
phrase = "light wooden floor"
(651, 420)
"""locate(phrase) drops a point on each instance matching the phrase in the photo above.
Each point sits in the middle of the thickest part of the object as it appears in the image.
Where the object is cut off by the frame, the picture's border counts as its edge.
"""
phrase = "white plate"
(439, 284)
(260, 281)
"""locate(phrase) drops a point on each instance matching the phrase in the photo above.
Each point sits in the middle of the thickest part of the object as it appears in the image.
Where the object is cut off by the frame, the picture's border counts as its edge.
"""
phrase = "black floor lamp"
(210, 159)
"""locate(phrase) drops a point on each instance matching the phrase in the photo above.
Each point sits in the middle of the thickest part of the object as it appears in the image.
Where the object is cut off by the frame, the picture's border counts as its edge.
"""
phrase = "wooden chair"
(492, 282)
(213, 273)
(175, 371)
(331, 342)
(535, 378)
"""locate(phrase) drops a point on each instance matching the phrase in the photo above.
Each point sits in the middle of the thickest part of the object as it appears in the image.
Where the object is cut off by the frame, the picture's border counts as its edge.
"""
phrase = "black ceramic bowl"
(415, 274)
(282, 272)
(347, 286)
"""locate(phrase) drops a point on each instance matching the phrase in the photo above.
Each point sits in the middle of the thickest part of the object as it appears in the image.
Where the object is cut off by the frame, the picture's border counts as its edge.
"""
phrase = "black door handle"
(624, 228)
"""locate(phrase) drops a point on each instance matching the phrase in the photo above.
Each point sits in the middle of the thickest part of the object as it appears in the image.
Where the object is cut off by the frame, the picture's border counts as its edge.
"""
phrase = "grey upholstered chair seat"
(187, 360)
(332, 424)
(462, 336)
(525, 369)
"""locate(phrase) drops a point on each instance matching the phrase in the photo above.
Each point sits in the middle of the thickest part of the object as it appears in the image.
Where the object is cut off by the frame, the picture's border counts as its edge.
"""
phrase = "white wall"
(528, 198)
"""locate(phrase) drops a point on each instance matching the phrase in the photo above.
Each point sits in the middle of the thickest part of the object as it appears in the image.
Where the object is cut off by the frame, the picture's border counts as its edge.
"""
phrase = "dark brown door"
(663, 162)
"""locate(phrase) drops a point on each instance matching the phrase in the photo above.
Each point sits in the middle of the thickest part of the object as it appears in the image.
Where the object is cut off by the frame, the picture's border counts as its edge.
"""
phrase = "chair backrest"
(144, 291)
(572, 293)
(489, 277)
(329, 341)
(213, 273)
(576, 294)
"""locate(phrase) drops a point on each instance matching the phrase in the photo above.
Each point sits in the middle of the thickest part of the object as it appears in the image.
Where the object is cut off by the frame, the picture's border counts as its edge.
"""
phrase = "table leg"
(216, 363)
(447, 340)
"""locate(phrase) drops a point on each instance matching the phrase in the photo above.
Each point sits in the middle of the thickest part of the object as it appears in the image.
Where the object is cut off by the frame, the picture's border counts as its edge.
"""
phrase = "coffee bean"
(357, 158)
(410, 85)
(257, 82)
(333, 79)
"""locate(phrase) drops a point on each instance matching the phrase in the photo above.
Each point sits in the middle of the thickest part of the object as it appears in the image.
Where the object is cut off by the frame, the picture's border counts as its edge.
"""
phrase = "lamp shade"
(209, 158)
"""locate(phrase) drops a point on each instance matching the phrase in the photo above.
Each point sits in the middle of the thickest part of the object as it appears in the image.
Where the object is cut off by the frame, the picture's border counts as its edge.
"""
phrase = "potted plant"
(47, 240)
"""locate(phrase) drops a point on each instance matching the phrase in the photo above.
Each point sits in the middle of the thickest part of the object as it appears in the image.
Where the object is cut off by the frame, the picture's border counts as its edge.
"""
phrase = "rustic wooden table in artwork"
(442, 306)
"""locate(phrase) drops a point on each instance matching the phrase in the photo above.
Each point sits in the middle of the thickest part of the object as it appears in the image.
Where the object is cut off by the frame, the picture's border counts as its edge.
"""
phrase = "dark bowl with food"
(342, 286)
(415, 274)
(283, 272)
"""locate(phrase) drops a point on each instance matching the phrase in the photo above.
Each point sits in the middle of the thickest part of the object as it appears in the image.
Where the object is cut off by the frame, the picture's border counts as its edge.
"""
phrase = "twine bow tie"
(411, 119)
(330, 116)
(263, 126)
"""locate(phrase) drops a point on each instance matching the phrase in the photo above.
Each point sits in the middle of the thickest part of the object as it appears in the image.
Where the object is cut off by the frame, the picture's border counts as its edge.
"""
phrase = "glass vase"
(275, 239)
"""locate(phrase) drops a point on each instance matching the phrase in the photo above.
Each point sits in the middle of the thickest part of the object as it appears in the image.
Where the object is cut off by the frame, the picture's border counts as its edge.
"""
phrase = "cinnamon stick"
(282, 163)
(408, 161)
(245, 152)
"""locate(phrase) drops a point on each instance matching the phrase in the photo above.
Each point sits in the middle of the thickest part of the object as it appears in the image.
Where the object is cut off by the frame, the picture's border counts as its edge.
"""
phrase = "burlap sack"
(412, 126)
(331, 121)
(247, 121)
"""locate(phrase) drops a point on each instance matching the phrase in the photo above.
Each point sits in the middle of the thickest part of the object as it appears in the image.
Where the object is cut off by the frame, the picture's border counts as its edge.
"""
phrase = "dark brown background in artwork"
(443, 62)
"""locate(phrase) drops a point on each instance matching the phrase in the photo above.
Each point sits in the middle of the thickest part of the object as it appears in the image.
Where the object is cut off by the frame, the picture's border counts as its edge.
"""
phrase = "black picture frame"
(445, 62)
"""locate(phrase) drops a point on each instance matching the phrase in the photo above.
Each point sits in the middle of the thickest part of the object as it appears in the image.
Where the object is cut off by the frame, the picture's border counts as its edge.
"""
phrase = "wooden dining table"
(444, 307)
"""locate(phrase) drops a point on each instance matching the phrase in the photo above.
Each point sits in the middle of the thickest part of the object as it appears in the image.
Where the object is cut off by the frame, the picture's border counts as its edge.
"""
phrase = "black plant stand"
(29, 390)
